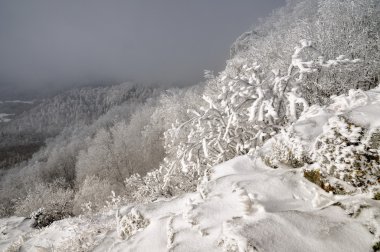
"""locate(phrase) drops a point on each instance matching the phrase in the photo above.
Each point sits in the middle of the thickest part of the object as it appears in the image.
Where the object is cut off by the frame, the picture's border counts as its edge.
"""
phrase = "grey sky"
(68, 41)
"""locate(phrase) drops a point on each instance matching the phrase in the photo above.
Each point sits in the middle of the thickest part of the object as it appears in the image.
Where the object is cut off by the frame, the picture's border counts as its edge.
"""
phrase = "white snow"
(244, 206)
(362, 108)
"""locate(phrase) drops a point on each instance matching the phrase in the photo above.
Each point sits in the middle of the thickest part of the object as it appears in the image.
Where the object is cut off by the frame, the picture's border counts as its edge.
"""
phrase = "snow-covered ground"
(245, 206)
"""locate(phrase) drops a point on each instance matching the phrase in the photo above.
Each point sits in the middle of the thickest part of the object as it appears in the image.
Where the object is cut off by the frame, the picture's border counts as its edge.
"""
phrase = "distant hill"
(33, 122)
(77, 106)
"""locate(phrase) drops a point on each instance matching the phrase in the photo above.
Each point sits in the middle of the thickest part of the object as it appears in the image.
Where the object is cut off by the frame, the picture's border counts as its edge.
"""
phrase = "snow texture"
(247, 206)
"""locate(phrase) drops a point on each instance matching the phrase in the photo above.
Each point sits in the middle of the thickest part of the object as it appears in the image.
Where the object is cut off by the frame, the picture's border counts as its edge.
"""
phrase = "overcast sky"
(69, 41)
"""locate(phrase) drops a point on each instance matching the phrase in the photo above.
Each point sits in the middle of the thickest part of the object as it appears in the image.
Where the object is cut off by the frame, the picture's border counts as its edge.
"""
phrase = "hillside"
(76, 106)
(24, 131)
(241, 205)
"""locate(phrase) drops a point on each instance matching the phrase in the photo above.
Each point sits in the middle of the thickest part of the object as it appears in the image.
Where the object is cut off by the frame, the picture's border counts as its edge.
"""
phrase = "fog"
(50, 44)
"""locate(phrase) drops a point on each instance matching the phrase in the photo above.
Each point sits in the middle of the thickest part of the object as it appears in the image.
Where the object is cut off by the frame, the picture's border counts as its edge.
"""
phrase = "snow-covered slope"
(247, 206)
(241, 205)
(244, 206)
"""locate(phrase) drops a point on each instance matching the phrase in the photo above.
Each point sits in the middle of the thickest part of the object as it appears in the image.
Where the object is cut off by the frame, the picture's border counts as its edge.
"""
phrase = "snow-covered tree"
(242, 107)
(349, 28)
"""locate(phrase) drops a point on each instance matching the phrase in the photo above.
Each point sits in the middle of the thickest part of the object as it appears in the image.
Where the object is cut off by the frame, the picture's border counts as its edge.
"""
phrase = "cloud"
(66, 42)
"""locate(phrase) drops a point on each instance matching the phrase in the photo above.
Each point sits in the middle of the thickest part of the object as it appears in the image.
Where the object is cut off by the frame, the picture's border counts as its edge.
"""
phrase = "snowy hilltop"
(241, 205)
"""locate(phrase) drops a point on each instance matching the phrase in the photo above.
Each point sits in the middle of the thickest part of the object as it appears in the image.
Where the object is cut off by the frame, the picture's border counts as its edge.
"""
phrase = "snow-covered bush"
(286, 148)
(284, 152)
(42, 217)
(46, 203)
(345, 156)
(151, 186)
(130, 224)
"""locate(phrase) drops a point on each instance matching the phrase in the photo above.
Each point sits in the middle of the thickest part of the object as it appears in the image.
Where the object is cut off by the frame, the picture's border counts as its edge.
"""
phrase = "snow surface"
(245, 206)
(362, 108)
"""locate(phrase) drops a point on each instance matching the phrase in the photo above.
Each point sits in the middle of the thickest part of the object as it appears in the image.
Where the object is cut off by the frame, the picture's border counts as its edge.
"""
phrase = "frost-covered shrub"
(42, 217)
(286, 149)
(130, 224)
(149, 187)
(282, 154)
(46, 203)
(346, 160)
